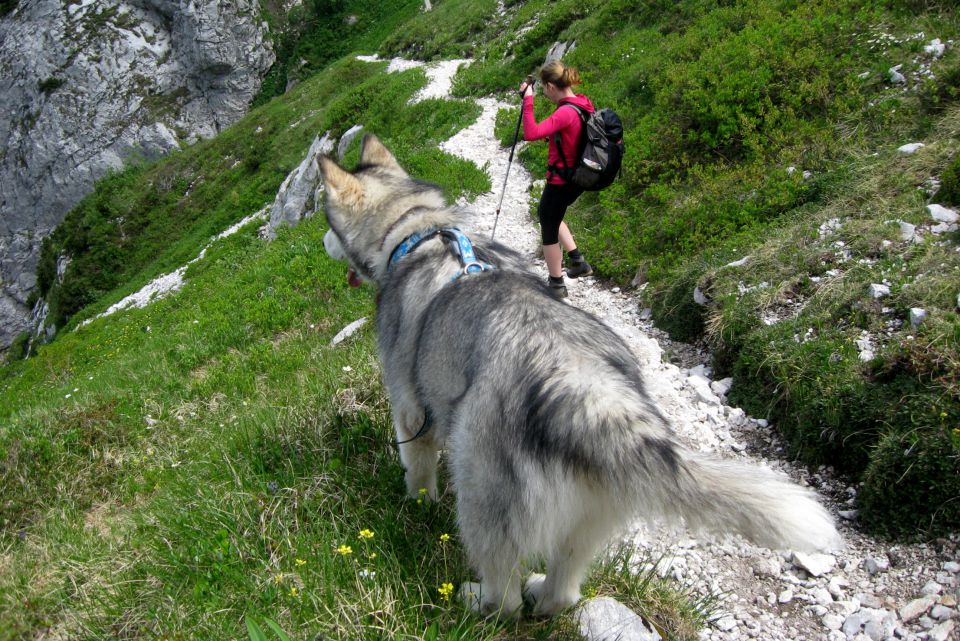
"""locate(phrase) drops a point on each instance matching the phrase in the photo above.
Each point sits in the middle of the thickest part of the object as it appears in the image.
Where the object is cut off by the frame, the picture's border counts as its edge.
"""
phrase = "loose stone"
(941, 632)
(832, 621)
(917, 608)
(942, 612)
(931, 587)
(815, 564)
(852, 625)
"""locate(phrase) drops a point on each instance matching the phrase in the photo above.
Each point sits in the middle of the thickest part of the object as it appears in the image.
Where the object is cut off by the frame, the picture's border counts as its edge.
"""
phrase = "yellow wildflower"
(372, 556)
(366, 534)
(444, 537)
(423, 491)
(294, 592)
(300, 562)
(278, 578)
(445, 591)
(345, 550)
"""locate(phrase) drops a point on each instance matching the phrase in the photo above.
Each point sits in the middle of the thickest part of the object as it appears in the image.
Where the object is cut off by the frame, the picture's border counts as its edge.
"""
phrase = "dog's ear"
(341, 185)
(373, 152)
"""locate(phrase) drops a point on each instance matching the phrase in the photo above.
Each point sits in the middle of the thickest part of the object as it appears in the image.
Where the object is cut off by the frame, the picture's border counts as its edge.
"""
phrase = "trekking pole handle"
(528, 82)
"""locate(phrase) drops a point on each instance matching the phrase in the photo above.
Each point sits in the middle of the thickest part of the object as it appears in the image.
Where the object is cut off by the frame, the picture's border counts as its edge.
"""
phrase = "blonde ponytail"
(559, 74)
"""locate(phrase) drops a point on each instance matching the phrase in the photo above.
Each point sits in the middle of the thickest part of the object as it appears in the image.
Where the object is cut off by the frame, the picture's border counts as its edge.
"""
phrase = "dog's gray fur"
(551, 441)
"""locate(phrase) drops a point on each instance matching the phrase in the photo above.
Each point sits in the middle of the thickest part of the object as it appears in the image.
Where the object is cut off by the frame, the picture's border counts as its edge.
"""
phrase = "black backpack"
(601, 150)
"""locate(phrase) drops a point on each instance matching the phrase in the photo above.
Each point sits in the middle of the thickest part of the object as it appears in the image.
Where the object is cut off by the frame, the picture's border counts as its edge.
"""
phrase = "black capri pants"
(553, 206)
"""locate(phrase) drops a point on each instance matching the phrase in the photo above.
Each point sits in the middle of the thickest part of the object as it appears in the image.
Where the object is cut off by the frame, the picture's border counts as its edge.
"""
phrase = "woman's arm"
(558, 120)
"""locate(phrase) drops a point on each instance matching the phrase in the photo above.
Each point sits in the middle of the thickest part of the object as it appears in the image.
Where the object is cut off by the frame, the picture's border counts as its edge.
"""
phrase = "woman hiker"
(558, 81)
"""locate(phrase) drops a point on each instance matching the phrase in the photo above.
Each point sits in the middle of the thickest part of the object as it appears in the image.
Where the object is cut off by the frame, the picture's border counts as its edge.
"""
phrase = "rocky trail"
(870, 591)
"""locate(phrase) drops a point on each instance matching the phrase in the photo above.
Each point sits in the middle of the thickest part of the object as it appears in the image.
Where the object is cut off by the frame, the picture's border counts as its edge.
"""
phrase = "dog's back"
(554, 444)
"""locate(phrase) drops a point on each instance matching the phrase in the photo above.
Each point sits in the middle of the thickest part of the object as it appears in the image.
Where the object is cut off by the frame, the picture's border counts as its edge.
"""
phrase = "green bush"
(911, 489)
(674, 308)
(50, 85)
(19, 348)
(949, 192)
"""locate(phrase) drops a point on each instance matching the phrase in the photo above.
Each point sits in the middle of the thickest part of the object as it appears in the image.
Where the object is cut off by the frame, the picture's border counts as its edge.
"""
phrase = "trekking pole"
(516, 136)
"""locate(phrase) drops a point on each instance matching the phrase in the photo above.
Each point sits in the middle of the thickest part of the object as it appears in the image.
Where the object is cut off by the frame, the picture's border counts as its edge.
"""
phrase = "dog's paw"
(470, 595)
(533, 588)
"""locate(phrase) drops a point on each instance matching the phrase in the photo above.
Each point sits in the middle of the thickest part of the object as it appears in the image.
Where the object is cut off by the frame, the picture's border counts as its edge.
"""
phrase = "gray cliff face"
(86, 85)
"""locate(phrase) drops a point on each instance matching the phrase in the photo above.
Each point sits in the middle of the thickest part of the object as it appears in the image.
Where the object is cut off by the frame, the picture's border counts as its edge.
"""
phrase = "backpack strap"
(566, 172)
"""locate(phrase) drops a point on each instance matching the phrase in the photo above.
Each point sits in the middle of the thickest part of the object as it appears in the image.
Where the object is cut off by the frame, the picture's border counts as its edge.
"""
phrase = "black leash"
(423, 430)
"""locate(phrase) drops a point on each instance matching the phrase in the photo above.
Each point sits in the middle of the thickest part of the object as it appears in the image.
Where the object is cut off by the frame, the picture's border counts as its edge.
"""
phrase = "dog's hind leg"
(419, 459)
(560, 587)
(489, 531)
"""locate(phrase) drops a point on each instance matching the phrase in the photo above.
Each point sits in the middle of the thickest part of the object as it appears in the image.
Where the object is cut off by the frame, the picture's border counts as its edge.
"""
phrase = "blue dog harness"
(459, 245)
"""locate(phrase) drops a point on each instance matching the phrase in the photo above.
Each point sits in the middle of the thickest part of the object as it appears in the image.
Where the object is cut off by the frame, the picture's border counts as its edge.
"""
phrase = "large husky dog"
(551, 440)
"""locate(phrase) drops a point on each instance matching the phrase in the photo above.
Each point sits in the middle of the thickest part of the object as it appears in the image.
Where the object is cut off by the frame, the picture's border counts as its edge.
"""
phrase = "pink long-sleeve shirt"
(566, 121)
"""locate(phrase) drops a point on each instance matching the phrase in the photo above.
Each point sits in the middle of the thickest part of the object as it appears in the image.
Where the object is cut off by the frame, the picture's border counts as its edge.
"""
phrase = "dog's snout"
(332, 244)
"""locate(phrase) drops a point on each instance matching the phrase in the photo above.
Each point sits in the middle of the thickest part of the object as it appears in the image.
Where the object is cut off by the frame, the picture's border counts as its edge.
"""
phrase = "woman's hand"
(526, 87)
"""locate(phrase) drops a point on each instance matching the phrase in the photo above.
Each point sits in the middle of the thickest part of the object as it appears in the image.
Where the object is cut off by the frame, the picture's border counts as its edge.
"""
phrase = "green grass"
(176, 470)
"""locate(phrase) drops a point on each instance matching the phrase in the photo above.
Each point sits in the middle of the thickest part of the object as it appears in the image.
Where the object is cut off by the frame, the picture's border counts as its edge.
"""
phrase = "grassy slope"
(316, 32)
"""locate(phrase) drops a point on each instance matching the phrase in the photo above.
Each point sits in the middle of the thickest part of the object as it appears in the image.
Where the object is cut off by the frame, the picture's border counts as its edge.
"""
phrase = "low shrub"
(51, 84)
(949, 192)
(674, 308)
(911, 489)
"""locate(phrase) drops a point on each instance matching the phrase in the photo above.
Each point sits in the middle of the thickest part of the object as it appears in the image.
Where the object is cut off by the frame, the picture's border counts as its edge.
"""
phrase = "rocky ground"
(871, 590)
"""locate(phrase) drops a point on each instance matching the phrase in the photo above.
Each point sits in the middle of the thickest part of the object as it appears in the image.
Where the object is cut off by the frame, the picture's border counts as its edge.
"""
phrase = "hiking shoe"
(557, 286)
(576, 270)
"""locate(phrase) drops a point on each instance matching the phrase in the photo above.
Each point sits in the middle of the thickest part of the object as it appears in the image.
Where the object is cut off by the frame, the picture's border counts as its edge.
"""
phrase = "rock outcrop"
(86, 86)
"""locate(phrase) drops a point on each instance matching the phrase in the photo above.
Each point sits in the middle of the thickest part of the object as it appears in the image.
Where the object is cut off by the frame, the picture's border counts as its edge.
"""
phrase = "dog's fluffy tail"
(754, 502)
